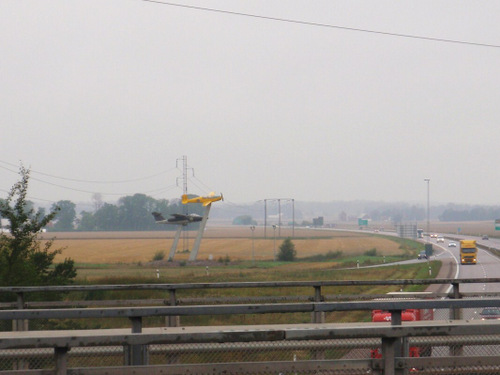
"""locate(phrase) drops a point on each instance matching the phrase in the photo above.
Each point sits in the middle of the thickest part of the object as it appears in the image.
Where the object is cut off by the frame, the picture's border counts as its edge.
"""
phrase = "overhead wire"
(326, 25)
(91, 181)
(164, 189)
(201, 182)
(195, 184)
(154, 192)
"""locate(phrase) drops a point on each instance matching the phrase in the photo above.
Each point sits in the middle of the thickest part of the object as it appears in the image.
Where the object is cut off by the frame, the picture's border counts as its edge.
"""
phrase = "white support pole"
(197, 242)
(174, 244)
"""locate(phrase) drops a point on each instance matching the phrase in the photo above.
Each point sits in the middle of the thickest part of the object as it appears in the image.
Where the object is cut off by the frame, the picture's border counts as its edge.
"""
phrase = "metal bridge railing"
(328, 349)
(454, 347)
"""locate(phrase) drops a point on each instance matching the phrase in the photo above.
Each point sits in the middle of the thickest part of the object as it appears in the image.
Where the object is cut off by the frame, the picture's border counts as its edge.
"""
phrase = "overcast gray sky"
(118, 90)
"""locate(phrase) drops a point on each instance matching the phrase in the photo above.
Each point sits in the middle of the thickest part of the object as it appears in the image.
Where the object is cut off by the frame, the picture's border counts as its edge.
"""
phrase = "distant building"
(318, 221)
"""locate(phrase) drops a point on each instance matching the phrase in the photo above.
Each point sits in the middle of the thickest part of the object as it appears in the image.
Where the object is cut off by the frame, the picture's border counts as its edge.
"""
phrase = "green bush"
(226, 260)
(324, 257)
(25, 258)
(371, 252)
(287, 251)
(159, 255)
(334, 254)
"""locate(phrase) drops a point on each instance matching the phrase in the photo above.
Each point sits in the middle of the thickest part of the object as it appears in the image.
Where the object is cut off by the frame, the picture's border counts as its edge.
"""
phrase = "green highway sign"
(362, 222)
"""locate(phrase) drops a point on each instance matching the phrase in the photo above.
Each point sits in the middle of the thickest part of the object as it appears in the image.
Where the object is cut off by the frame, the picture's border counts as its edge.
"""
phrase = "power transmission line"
(326, 25)
(89, 181)
(156, 190)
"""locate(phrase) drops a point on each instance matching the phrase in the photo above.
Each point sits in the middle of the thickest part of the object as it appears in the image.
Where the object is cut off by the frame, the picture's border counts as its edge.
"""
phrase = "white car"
(440, 239)
(452, 244)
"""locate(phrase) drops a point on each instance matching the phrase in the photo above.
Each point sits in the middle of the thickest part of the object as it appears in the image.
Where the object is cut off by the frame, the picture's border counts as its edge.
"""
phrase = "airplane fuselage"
(177, 219)
(206, 200)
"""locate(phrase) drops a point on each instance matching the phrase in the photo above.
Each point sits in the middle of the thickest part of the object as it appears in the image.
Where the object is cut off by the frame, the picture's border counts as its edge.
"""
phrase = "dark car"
(490, 313)
(485, 237)
(422, 255)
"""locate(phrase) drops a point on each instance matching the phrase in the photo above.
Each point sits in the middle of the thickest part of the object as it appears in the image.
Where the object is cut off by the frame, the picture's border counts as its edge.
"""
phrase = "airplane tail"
(158, 216)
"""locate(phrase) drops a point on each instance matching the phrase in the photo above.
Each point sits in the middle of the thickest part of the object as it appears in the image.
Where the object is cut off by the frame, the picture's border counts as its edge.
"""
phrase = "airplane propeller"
(212, 194)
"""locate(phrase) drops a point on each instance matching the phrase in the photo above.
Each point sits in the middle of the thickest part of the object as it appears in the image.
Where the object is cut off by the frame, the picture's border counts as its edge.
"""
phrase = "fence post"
(398, 344)
(172, 321)
(318, 316)
(61, 360)
(136, 355)
(396, 320)
(20, 325)
(389, 355)
(456, 314)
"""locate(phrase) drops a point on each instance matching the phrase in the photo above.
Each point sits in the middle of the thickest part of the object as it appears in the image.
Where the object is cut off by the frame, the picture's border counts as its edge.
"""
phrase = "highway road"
(488, 266)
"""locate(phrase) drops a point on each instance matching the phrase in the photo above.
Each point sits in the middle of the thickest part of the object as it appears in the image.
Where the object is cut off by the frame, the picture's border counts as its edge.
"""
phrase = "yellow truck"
(468, 252)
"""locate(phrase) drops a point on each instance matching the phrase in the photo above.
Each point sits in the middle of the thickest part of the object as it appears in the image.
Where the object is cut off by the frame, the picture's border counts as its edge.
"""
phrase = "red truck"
(409, 315)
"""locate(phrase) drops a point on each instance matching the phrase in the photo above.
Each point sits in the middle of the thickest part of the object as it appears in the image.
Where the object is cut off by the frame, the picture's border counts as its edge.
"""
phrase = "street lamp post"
(428, 209)
(279, 216)
(252, 228)
(274, 245)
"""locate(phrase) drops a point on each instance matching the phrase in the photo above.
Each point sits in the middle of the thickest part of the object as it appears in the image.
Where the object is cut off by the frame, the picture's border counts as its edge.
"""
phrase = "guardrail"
(317, 294)
(312, 343)
(63, 350)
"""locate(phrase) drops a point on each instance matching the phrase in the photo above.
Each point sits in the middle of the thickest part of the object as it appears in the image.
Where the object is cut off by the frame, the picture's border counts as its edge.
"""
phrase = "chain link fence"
(340, 356)
(278, 357)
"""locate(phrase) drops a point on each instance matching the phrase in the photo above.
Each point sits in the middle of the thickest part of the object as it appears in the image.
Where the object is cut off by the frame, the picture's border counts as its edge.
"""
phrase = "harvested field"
(219, 242)
(472, 228)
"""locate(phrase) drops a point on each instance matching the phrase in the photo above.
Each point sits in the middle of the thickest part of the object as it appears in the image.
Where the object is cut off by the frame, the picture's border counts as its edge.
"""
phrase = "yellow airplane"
(206, 200)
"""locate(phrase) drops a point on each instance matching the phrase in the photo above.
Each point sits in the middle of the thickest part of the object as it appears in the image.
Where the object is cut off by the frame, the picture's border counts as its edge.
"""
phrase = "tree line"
(477, 213)
(130, 213)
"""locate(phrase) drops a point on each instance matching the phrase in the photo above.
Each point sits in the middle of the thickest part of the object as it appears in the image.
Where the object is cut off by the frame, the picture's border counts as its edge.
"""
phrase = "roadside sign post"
(497, 224)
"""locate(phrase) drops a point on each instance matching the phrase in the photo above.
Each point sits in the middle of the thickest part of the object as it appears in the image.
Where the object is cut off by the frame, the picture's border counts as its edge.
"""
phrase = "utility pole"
(279, 214)
(428, 210)
(265, 218)
(279, 217)
(252, 228)
(274, 244)
(185, 236)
